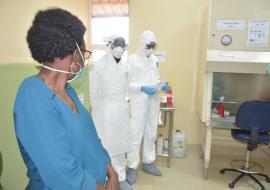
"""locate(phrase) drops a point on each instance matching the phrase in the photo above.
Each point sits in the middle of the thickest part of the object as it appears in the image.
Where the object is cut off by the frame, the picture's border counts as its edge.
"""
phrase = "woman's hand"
(112, 182)
(99, 186)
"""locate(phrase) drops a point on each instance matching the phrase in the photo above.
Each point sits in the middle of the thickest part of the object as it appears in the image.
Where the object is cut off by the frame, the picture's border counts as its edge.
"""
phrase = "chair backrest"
(254, 116)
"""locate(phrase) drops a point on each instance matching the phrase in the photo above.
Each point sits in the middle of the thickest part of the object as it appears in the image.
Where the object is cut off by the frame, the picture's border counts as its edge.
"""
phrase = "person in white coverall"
(144, 106)
(108, 92)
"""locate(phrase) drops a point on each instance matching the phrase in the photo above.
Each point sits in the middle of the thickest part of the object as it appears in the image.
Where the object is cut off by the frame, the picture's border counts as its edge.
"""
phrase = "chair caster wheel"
(231, 185)
(221, 171)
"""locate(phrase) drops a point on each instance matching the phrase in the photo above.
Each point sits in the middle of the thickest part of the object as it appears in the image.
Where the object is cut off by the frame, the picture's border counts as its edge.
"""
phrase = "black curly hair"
(53, 34)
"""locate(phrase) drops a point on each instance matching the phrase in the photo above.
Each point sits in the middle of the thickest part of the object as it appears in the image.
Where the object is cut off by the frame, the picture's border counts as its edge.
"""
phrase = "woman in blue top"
(56, 134)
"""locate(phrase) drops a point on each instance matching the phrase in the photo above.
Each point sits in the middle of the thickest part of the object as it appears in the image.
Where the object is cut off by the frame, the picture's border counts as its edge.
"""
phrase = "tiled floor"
(186, 174)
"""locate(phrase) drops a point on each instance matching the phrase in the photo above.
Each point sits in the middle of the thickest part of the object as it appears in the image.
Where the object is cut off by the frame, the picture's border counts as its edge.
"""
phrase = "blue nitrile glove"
(149, 90)
(165, 87)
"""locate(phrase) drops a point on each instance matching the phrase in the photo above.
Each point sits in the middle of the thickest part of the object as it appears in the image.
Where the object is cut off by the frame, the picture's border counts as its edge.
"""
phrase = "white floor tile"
(186, 174)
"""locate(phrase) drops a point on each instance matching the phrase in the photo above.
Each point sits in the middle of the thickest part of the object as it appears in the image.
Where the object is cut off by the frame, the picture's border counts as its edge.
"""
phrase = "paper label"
(230, 24)
(258, 33)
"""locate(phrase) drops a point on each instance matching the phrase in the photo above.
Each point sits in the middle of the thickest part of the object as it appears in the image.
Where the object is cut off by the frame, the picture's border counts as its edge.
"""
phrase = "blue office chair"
(253, 119)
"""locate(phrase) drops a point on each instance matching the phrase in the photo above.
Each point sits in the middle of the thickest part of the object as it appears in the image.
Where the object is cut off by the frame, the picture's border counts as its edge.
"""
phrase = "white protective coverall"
(108, 92)
(144, 109)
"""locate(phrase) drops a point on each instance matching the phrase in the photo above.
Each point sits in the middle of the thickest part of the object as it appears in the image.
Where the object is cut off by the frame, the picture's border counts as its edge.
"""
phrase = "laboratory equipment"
(160, 142)
(179, 144)
(169, 100)
(234, 63)
(166, 146)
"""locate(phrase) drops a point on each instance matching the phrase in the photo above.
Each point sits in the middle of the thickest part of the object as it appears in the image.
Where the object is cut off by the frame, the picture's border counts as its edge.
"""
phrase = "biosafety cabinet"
(234, 62)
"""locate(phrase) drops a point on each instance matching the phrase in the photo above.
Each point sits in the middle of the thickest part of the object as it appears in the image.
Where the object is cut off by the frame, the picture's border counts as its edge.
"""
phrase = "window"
(109, 17)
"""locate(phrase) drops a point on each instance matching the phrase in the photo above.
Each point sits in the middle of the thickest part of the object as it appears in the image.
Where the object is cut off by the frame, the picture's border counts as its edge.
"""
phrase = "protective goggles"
(119, 42)
(151, 45)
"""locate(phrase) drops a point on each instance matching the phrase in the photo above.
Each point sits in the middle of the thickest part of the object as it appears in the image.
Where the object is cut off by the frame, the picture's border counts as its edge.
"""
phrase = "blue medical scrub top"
(60, 148)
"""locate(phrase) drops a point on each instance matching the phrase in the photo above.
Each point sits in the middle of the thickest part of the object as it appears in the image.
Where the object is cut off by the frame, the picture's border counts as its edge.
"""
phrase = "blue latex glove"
(165, 87)
(149, 90)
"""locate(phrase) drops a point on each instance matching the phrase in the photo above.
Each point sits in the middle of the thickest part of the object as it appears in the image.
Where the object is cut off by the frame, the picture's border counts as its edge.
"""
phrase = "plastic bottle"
(169, 102)
(166, 146)
(221, 108)
(179, 144)
(160, 144)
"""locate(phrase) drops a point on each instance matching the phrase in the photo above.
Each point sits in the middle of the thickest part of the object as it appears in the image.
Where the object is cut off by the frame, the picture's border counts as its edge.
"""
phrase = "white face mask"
(148, 52)
(62, 71)
(76, 74)
(117, 52)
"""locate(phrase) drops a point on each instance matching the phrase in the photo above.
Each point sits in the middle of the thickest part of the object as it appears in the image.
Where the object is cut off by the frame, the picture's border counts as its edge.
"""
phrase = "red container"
(169, 102)
(221, 109)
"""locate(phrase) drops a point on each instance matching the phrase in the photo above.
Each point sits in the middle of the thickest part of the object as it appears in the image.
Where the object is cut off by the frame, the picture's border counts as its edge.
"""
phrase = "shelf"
(230, 119)
(166, 109)
(226, 102)
(166, 155)
(223, 123)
